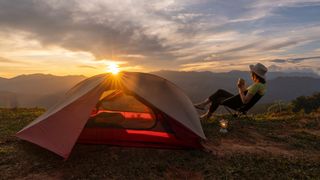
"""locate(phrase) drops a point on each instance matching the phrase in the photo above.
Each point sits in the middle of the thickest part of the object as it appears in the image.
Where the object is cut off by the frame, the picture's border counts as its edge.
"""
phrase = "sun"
(113, 68)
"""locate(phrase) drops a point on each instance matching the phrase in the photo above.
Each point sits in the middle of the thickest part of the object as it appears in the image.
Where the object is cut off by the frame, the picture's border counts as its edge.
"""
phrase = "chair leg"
(229, 111)
(233, 115)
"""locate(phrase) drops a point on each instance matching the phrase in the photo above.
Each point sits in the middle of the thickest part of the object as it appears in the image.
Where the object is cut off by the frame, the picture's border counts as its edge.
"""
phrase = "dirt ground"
(265, 146)
(283, 136)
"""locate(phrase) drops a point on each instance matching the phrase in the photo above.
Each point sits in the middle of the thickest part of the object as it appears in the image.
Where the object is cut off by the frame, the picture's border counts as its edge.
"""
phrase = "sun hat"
(259, 69)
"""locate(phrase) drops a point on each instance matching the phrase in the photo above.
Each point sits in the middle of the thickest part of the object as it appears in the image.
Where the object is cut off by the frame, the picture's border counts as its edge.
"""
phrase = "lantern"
(223, 125)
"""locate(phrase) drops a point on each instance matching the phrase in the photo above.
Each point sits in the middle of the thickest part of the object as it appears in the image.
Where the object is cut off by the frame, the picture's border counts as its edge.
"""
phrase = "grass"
(266, 147)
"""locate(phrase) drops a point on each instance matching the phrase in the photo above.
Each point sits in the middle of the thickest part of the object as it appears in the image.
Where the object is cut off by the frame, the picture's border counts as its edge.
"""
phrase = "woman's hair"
(263, 81)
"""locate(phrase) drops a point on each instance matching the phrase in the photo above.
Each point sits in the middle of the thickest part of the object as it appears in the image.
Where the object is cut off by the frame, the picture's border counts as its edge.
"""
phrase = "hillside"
(35, 90)
(287, 88)
(2, 80)
(8, 99)
(270, 146)
(39, 84)
(281, 86)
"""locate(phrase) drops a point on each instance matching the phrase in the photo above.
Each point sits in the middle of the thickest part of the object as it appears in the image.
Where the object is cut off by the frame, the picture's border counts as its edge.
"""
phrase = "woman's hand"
(241, 85)
(242, 88)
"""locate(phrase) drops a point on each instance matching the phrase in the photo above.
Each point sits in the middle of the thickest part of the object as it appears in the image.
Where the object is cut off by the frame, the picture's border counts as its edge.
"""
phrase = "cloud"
(160, 34)
(101, 28)
(294, 60)
(278, 60)
(87, 66)
(274, 68)
(200, 66)
(9, 61)
(284, 44)
(135, 56)
(297, 60)
(241, 48)
(295, 69)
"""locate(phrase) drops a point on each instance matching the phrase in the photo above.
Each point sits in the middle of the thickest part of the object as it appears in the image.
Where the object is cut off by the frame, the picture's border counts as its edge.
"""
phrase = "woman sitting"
(246, 94)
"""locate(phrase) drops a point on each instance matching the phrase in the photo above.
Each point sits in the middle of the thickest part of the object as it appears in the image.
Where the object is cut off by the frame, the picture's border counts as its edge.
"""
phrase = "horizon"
(80, 37)
(163, 70)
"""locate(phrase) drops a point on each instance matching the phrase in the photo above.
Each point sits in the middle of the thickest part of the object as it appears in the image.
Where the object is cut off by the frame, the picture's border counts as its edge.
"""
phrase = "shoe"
(200, 106)
(204, 117)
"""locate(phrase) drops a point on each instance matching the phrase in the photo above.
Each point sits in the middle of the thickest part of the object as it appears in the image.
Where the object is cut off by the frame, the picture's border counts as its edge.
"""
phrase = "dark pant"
(221, 95)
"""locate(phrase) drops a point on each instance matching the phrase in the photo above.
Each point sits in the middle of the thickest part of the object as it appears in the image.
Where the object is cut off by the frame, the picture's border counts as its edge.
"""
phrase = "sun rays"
(113, 68)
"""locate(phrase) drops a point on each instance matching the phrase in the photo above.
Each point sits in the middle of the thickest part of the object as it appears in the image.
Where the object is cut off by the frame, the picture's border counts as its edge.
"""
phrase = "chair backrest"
(250, 104)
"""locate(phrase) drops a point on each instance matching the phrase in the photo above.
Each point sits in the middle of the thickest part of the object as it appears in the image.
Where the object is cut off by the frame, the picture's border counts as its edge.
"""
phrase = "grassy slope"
(283, 146)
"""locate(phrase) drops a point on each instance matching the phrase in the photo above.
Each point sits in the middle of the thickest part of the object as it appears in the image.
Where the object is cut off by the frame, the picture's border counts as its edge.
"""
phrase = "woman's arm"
(245, 98)
(242, 88)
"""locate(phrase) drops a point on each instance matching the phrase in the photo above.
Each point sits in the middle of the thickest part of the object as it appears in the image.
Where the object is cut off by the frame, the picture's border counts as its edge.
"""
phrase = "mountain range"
(43, 90)
(35, 90)
(280, 86)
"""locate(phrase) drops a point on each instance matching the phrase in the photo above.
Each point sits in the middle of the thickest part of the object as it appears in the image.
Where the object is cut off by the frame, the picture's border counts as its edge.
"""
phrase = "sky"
(83, 37)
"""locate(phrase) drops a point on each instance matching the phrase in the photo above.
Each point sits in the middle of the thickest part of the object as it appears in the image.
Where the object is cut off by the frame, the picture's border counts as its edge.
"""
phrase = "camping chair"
(233, 102)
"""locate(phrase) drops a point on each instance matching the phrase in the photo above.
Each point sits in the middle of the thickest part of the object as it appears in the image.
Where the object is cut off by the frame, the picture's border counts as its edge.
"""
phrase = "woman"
(258, 73)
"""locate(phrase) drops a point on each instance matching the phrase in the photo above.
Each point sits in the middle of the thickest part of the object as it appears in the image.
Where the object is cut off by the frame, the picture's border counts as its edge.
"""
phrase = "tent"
(127, 109)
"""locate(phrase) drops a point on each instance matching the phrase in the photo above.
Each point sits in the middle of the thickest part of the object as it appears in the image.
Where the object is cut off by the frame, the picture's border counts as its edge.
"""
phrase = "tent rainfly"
(127, 109)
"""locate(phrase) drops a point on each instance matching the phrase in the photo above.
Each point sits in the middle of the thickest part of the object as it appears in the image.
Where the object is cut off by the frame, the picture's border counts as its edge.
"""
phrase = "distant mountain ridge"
(3, 80)
(276, 74)
(280, 86)
(39, 83)
(43, 90)
(32, 90)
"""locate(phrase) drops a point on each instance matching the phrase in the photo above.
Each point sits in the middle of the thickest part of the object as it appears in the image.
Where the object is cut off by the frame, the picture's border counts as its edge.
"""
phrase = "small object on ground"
(223, 130)
(223, 125)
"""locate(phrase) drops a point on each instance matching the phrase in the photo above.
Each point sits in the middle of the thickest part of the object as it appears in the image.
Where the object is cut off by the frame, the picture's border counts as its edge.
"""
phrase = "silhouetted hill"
(273, 75)
(39, 83)
(281, 86)
(288, 88)
(2, 80)
(41, 90)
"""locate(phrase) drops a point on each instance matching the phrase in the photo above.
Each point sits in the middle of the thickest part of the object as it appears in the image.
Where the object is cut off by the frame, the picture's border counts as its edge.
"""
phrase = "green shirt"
(257, 88)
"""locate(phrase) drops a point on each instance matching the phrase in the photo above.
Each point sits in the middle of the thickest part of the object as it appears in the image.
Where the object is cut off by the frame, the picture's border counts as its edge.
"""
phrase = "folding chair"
(234, 103)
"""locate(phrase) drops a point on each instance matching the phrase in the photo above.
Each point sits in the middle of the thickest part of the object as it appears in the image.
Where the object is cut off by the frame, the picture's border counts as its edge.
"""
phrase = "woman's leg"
(218, 94)
(234, 103)
(216, 100)
(202, 104)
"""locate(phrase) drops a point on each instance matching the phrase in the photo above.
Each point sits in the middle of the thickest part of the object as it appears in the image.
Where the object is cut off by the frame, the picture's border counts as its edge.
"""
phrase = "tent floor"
(134, 138)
